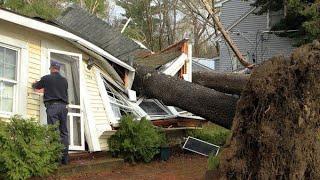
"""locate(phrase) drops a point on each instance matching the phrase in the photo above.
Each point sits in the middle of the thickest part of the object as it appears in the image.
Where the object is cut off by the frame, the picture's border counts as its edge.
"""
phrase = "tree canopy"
(301, 15)
(49, 9)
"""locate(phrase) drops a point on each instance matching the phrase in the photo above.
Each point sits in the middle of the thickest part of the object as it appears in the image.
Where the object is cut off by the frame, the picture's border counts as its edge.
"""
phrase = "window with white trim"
(8, 78)
(118, 103)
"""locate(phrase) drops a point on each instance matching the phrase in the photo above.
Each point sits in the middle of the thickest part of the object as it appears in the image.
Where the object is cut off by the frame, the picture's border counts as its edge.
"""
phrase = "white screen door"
(69, 68)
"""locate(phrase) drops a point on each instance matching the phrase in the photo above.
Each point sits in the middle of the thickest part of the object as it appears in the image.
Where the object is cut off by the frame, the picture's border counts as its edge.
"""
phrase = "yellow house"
(99, 82)
(96, 90)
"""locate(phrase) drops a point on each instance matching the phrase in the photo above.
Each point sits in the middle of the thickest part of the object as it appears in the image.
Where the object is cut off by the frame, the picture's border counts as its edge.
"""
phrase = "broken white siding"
(96, 107)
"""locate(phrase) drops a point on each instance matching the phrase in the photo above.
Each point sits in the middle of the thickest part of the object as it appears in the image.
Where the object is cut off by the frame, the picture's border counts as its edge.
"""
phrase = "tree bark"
(230, 83)
(207, 103)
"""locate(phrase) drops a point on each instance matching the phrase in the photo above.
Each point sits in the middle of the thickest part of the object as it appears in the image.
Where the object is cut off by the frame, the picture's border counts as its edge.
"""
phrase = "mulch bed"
(179, 166)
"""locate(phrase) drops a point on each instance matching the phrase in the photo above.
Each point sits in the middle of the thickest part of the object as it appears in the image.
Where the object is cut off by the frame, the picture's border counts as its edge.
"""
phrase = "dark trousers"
(58, 112)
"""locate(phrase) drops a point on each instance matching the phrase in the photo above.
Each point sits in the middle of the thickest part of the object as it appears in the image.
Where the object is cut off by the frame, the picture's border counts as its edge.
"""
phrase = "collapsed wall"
(276, 126)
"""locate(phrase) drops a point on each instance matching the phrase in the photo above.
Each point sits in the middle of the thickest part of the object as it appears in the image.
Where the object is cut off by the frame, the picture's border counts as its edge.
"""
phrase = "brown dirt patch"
(179, 166)
(275, 130)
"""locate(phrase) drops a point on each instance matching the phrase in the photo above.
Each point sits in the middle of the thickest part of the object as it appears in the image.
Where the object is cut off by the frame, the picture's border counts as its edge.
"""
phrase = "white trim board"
(50, 29)
(176, 65)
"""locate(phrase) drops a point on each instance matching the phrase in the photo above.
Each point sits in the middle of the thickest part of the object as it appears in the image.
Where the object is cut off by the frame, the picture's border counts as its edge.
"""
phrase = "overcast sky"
(116, 11)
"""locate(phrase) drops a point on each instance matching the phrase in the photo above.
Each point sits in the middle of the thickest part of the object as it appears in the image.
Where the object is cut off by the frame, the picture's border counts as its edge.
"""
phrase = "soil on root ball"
(276, 127)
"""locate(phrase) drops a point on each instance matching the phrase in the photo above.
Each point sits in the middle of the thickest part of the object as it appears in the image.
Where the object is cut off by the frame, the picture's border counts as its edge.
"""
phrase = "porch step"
(76, 156)
(91, 165)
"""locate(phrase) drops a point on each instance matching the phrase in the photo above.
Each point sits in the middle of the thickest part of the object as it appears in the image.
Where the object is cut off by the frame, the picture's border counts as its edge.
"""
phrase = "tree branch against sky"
(203, 28)
(97, 7)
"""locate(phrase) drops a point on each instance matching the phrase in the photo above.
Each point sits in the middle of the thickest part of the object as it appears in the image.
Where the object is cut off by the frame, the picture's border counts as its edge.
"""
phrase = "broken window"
(154, 108)
(179, 110)
(118, 103)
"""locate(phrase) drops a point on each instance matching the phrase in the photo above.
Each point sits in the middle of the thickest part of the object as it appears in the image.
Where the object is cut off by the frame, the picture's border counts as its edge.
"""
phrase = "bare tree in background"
(202, 28)
(97, 7)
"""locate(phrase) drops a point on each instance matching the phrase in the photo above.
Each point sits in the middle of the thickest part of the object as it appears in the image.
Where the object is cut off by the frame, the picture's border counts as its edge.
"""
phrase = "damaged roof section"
(175, 60)
(97, 31)
(163, 57)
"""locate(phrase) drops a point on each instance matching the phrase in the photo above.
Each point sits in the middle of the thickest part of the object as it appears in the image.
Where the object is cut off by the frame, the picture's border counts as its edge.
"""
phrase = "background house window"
(8, 78)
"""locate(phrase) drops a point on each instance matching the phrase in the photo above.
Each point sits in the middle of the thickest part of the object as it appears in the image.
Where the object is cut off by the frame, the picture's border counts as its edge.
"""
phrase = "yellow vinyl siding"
(96, 105)
(33, 100)
(38, 45)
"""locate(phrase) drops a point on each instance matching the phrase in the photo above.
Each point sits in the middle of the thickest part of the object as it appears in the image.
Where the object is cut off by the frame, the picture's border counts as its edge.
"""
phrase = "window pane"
(152, 108)
(11, 56)
(76, 131)
(10, 72)
(6, 96)
(1, 69)
(116, 111)
(63, 70)
(1, 54)
(1, 61)
(8, 90)
(7, 105)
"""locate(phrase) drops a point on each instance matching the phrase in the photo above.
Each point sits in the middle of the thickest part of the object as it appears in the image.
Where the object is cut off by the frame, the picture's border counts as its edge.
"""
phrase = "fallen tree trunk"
(207, 103)
(276, 127)
(230, 83)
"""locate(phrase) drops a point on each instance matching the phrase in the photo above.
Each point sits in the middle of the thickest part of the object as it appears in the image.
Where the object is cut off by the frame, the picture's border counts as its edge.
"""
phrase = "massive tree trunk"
(276, 127)
(207, 103)
(230, 83)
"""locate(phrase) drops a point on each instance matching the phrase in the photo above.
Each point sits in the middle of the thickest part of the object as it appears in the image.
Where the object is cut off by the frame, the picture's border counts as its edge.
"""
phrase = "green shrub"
(211, 133)
(28, 148)
(136, 140)
(213, 162)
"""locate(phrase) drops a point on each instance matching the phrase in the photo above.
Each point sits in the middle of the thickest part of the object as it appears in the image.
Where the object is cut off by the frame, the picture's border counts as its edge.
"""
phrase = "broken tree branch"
(226, 36)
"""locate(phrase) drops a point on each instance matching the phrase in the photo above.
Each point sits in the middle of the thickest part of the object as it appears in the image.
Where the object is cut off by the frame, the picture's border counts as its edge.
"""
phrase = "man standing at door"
(55, 100)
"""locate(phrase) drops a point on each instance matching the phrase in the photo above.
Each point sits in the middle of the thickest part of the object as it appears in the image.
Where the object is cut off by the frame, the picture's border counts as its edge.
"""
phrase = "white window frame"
(45, 59)
(114, 101)
(21, 82)
(73, 147)
(106, 100)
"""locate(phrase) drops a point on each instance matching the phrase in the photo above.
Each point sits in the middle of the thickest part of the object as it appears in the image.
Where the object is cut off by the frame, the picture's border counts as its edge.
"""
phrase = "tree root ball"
(276, 127)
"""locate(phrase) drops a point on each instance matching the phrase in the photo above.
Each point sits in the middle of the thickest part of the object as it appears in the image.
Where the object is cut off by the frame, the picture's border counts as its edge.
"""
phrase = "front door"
(69, 68)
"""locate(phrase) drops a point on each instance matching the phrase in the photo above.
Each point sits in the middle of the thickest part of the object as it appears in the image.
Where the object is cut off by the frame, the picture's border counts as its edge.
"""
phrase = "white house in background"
(204, 64)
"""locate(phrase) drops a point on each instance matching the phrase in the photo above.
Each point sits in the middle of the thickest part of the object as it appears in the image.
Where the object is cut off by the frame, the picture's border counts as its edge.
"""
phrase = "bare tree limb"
(226, 36)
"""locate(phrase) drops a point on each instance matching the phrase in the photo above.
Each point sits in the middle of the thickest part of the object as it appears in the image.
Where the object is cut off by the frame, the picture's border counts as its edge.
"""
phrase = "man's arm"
(39, 84)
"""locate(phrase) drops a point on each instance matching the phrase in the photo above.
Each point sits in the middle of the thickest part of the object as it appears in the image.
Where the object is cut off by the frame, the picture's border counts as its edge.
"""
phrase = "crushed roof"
(99, 32)
(157, 60)
(163, 57)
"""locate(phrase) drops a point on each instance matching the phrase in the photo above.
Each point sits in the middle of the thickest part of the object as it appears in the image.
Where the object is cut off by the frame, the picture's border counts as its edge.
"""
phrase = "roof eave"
(54, 30)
